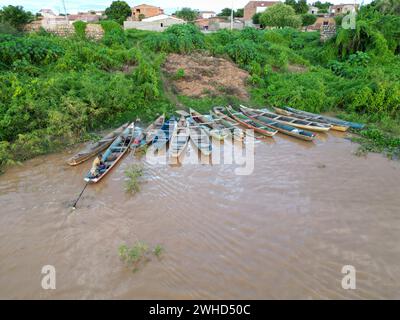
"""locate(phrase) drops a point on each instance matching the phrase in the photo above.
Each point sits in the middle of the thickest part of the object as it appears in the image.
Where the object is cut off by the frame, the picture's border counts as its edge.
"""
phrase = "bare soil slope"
(205, 76)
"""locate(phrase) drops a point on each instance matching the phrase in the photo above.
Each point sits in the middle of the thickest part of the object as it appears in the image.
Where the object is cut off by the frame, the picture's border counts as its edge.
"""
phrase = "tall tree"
(226, 12)
(119, 11)
(301, 7)
(280, 15)
(322, 5)
(15, 16)
(187, 14)
(256, 18)
(239, 13)
(308, 19)
(388, 6)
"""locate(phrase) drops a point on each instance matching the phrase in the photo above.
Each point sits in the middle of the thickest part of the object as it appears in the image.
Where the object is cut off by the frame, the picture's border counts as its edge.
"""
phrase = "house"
(145, 11)
(254, 7)
(207, 14)
(324, 21)
(238, 24)
(47, 13)
(156, 23)
(210, 23)
(312, 10)
(343, 9)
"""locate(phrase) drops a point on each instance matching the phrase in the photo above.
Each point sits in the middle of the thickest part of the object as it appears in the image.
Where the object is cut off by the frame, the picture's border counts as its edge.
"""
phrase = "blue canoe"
(114, 153)
(164, 134)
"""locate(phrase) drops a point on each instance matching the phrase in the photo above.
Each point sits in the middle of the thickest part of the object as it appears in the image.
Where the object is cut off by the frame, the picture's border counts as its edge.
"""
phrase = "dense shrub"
(179, 38)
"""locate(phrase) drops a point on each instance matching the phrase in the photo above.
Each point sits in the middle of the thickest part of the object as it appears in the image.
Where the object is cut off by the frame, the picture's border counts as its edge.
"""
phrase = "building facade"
(143, 11)
(342, 9)
(156, 23)
(207, 14)
(312, 10)
(254, 7)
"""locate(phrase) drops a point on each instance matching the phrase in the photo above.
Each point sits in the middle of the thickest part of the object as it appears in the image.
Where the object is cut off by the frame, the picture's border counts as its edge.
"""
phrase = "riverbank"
(56, 90)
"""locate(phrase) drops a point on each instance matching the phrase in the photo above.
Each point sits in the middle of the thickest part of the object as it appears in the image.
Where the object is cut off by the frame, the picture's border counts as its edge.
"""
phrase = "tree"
(119, 11)
(256, 18)
(301, 7)
(308, 19)
(187, 14)
(322, 5)
(15, 16)
(388, 6)
(226, 12)
(280, 15)
(239, 13)
(291, 3)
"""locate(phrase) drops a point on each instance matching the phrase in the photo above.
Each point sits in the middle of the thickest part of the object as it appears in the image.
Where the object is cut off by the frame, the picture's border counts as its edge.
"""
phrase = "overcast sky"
(169, 5)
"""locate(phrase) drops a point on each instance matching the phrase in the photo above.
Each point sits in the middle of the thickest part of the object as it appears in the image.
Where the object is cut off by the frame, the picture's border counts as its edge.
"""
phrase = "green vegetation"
(308, 19)
(280, 15)
(80, 29)
(300, 6)
(227, 12)
(138, 254)
(54, 91)
(187, 14)
(133, 173)
(118, 11)
(15, 17)
(180, 74)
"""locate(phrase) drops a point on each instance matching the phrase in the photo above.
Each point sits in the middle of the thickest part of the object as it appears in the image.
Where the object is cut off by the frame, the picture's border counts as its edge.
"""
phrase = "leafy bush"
(179, 38)
(80, 29)
(33, 50)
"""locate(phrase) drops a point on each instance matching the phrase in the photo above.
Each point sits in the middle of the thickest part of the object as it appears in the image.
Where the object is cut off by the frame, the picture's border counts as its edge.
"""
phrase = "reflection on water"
(283, 232)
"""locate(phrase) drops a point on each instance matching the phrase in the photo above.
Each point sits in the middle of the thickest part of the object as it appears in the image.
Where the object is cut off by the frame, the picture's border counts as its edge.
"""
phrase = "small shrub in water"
(138, 254)
(133, 174)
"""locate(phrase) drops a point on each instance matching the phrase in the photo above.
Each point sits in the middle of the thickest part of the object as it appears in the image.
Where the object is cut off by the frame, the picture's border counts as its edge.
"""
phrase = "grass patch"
(137, 255)
(133, 173)
(375, 140)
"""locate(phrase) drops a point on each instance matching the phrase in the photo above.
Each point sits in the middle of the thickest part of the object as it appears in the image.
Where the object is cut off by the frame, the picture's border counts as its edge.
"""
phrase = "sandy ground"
(206, 76)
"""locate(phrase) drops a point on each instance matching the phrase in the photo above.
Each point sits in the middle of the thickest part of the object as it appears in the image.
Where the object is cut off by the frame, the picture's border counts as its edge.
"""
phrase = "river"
(284, 231)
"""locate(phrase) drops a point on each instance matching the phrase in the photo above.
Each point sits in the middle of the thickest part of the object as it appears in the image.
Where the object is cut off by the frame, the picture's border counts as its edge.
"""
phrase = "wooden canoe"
(199, 137)
(179, 139)
(217, 131)
(114, 153)
(164, 134)
(281, 127)
(152, 130)
(96, 147)
(332, 120)
(236, 132)
(249, 123)
(335, 127)
(302, 124)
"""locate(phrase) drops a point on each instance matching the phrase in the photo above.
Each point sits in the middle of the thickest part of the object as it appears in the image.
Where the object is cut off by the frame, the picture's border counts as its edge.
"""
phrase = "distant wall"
(93, 31)
(159, 25)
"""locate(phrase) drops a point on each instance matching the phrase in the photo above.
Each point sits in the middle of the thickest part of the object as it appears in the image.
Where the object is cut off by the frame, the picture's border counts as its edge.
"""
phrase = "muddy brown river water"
(284, 231)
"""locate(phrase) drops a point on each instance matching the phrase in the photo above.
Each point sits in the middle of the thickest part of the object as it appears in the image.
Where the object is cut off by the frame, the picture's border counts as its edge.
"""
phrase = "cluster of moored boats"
(221, 123)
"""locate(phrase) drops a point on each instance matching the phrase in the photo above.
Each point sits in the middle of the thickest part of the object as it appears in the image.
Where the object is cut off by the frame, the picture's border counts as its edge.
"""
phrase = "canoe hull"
(339, 122)
(90, 152)
(179, 140)
(247, 125)
(129, 131)
(307, 136)
(335, 127)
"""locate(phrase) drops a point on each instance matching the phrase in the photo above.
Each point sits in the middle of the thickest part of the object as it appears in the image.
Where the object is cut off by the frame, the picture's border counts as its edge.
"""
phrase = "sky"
(170, 6)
